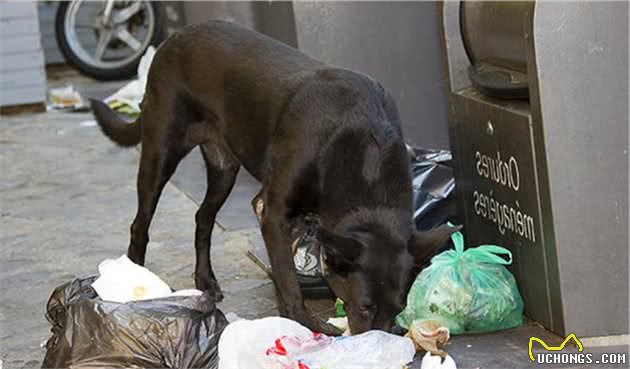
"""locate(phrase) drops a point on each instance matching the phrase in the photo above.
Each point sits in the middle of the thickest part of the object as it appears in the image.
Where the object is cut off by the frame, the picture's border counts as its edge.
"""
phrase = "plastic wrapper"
(369, 350)
(172, 332)
(244, 343)
(128, 98)
(430, 336)
(467, 291)
(430, 361)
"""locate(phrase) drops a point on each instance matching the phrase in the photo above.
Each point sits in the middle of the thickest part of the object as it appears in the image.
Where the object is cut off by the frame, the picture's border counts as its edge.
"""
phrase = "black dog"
(321, 140)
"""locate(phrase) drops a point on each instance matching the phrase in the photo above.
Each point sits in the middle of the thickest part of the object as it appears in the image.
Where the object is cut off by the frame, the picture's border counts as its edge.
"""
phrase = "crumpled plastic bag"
(122, 280)
(467, 291)
(243, 343)
(128, 98)
(433, 185)
(66, 98)
(172, 332)
(369, 350)
(280, 343)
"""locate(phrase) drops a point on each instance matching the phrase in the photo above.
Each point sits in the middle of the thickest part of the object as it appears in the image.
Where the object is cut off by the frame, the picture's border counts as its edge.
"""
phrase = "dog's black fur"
(320, 139)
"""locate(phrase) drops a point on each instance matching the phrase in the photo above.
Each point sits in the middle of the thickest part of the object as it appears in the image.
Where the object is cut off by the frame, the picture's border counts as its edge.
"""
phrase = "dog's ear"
(424, 244)
(340, 252)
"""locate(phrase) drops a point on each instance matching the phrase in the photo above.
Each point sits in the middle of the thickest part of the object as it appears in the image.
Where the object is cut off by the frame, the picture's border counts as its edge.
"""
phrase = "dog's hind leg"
(222, 168)
(156, 168)
(158, 161)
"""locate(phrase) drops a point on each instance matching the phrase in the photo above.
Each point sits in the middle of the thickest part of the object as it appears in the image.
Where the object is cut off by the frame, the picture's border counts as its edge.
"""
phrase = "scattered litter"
(341, 323)
(128, 98)
(430, 336)
(88, 123)
(340, 310)
(468, 291)
(66, 98)
(282, 343)
(430, 361)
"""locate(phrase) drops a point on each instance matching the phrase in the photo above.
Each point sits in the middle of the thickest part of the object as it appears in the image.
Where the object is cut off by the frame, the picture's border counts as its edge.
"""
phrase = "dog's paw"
(209, 284)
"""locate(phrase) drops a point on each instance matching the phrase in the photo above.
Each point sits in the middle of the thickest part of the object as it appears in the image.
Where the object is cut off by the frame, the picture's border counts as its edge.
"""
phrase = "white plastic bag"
(132, 93)
(369, 350)
(121, 280)
(279, 343)
(243, 344)
(430, 361)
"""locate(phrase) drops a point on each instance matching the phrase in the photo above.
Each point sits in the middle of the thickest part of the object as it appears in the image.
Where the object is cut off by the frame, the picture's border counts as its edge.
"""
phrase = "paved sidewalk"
(67, 198)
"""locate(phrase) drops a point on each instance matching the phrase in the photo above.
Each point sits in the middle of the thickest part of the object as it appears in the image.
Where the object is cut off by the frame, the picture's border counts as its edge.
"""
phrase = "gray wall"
(395, 42)
(241, 12)
(47, 12)
(583, 87)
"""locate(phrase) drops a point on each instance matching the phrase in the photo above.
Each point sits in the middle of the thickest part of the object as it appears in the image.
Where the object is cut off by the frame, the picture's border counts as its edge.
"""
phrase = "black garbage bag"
(433, 186)
(172, 332)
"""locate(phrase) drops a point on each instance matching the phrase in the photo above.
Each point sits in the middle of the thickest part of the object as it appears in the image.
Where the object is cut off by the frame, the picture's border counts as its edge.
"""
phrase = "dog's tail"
(113, 126)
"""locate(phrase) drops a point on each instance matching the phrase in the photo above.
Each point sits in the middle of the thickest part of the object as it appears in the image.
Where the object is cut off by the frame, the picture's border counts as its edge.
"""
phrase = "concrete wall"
(395, 42)
(241, 12)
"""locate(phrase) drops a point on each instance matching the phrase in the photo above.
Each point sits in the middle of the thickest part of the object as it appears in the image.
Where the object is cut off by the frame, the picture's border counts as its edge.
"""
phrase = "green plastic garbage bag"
(468, 291)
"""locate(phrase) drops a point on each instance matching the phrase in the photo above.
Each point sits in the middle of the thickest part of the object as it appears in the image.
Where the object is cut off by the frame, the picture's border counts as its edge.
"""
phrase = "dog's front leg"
(275, 230)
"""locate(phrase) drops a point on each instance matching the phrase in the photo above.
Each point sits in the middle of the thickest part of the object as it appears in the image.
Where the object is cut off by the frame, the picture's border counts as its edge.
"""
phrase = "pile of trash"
(125, 100)
(129, 317)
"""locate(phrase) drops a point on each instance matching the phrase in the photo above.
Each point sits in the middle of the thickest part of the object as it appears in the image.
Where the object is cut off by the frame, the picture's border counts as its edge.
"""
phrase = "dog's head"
(372, 269)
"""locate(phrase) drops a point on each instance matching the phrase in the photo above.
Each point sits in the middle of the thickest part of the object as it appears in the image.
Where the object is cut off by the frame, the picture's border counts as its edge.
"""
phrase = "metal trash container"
(538, 123)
